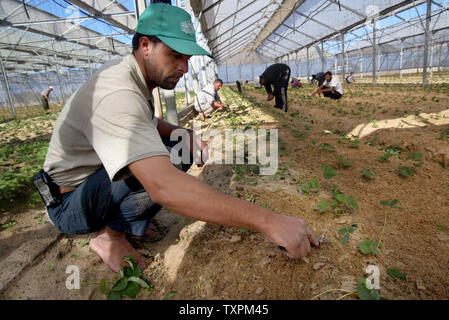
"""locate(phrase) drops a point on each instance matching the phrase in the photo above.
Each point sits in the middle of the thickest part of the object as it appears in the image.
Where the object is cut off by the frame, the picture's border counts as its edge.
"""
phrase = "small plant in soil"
(322, 206)
(342, 202)
(329, 172)
(405, 172)
(343, 163)
(346, 233)
(354, 144)
(369, 247)
(129, 284)
(326, 146)
(312, 186)
(395, 273)
(391, 204)
(368, 174)
(366, 293)
(416, 156)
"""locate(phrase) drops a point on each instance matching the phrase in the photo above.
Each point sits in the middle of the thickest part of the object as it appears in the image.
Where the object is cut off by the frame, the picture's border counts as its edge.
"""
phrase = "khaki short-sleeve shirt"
(108, 122)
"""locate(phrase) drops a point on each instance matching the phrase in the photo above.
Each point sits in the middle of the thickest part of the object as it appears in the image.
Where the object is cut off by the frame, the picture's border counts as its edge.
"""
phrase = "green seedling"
(9, 224)
(346, 233)
(170, 295)
(405, 172)
(416, 156)
(243, 230)
(384, 158)
(299, 134)
(85, 242)
(343, 163)
(50, 266)
(365, 293)
(250, 198)
(395, 273)
(369, 247)
(129, 284)
(342, 202)
(327, 146)
(391, 204)
(368, 174)
(354, 144)
(329, 172)
(322, 206)
(312, 186)
(390, 151)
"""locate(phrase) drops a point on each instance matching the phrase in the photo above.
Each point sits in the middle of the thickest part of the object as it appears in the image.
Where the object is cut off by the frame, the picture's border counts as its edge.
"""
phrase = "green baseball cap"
(173, 26)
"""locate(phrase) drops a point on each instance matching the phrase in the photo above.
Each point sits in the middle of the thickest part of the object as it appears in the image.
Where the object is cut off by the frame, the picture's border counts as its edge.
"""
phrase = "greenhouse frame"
(61, 42)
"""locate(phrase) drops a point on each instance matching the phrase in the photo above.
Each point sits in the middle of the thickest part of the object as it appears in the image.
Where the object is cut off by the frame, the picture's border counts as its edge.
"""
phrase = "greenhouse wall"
(412, 59)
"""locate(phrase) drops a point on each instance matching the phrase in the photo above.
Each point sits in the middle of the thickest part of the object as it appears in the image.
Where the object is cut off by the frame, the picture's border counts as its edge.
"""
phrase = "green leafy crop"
(329, 172)
(129, 284)
(368, 247)
(346, 233)
(312, 186)
(395, 273)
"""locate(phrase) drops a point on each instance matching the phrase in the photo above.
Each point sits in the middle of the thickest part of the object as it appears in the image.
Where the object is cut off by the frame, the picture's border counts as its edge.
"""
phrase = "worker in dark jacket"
(276, 75)
(319, 78)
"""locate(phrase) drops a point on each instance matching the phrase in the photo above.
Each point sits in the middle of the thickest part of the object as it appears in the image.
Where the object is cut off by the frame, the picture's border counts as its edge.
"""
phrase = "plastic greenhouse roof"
(36, 35)
(233, 27)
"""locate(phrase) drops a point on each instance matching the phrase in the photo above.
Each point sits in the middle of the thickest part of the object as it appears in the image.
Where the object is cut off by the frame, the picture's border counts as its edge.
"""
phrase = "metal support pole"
(335, 64)
(308, 65)
(252, 65)
(8, 92)
(203, 72)
(297, 64)
(61, 89)
(187, 92)
(170, 106)
(425, 80)
(361, 64)
(227, 78)
(343, 55)
(431, 56)
(439, 57)
(240, 69)
(374, 52)
(379, 55)
(323, 61)
(195, 74)
(401, 54)
(90, 68)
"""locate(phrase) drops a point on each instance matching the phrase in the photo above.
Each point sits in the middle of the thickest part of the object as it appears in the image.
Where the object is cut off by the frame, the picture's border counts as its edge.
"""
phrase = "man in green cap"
(108, 166)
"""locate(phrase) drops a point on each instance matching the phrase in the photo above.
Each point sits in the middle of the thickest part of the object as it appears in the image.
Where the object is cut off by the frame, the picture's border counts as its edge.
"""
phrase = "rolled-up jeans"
(123, 205)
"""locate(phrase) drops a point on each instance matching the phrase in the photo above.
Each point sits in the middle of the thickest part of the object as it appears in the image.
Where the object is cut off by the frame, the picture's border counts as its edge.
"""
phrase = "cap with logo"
(173, 26)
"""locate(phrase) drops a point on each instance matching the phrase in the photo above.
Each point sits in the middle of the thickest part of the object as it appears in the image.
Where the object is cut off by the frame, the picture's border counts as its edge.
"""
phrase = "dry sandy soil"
(198, 260)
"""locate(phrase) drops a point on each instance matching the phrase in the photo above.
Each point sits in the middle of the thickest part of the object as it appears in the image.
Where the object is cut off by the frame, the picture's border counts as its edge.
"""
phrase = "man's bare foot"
(112, 246)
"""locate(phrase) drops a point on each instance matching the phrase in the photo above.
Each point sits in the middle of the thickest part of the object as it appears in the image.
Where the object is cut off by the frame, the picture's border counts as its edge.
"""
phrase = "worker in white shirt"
(208, 100)
(331, 87)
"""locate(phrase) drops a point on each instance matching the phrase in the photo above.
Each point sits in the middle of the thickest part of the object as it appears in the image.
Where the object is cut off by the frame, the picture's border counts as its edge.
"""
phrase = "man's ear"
(146, 45)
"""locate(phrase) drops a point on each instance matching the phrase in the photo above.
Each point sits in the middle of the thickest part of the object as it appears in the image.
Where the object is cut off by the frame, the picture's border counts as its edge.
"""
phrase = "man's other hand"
(270, 97)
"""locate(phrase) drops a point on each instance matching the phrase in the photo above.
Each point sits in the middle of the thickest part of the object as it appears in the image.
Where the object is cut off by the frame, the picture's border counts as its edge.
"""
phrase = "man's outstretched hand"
(293, 234)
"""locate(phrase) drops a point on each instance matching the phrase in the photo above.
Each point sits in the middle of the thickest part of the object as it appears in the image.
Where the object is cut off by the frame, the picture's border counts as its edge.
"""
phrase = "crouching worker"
(208, 100)
(331, 87)
(276, 75)
(108, 169)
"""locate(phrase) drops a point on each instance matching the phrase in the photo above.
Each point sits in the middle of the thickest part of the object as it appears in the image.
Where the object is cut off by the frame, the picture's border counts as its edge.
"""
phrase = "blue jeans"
(123, 205)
